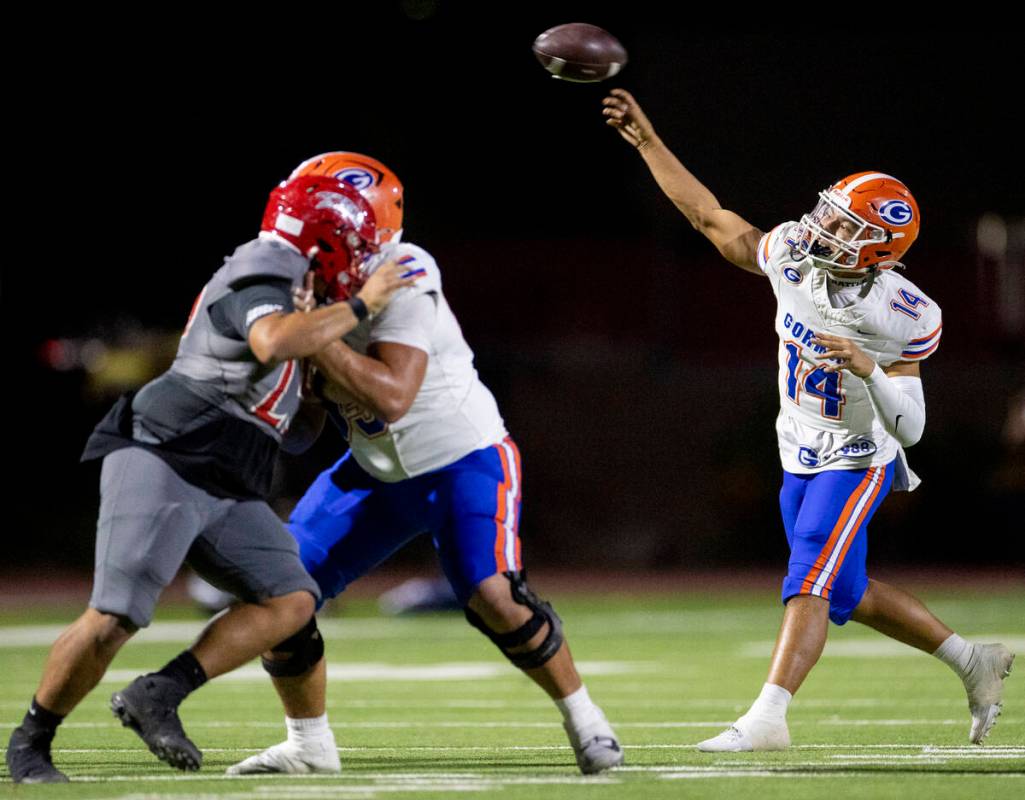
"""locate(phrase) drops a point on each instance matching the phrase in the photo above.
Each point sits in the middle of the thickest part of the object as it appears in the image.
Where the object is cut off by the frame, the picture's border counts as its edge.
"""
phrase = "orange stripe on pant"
(519, 494)
(848, 509)
(501, 512)
(854, 531)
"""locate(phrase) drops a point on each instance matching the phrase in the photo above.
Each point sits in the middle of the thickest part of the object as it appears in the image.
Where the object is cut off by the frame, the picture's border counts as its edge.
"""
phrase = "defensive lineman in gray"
(187, 465)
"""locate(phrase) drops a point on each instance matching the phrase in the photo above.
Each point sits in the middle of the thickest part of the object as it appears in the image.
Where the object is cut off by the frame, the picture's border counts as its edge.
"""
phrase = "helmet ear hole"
(325, 246)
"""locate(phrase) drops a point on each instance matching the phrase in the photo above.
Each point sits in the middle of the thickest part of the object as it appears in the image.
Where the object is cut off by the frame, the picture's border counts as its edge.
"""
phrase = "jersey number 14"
(814, 381)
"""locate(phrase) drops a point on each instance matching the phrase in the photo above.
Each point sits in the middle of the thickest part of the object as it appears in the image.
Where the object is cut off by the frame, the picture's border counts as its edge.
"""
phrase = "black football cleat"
(28, 757)
(149, 706)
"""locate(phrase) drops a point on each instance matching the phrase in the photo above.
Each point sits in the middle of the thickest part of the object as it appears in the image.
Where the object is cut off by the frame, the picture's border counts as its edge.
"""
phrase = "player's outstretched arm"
(732, 235)
(279, 337)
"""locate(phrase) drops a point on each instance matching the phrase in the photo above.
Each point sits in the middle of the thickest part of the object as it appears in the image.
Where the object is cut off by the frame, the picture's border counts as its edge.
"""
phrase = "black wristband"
(359, 308)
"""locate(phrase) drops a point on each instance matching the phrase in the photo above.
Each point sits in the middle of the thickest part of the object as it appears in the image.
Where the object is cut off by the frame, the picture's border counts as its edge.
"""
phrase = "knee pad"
(542, 613)
(301, 650)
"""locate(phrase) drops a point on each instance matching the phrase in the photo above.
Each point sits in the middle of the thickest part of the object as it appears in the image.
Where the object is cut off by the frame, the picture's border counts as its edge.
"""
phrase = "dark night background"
(635, 369)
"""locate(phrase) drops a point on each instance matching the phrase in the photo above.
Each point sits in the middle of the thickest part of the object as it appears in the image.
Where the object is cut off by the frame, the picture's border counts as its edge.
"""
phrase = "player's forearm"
(687, 193)
(299, 334)
(370, 382)
(899, 403)
(734, 237)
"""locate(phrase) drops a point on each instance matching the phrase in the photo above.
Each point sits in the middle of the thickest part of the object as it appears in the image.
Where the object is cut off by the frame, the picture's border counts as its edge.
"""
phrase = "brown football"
(580, 52)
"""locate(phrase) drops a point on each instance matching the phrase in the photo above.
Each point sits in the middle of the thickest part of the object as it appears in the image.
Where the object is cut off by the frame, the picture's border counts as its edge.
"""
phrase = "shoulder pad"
(772, 247)
(265, 258)
(921, 317)
(417, 262)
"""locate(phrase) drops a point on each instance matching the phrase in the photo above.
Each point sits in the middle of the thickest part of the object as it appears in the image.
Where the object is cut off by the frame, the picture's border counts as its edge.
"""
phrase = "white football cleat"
(984, 684)
(749, 734)
(290, 758)
(595, 753)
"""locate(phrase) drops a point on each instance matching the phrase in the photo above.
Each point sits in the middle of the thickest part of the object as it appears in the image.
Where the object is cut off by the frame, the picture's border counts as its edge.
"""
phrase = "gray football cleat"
(596, 754)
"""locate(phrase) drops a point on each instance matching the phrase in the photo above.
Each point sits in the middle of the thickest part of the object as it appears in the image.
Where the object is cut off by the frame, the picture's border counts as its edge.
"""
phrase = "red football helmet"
(378, 184)
(330, 222)
(864, 222)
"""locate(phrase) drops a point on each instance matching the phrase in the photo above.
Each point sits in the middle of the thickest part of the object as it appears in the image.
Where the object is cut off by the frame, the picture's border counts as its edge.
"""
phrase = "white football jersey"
(826, 420)
(453, 413)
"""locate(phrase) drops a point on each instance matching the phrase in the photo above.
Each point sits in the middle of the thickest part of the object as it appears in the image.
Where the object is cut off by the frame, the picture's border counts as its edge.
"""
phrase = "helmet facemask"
(832, 235)
(330, 223)
(339, 258)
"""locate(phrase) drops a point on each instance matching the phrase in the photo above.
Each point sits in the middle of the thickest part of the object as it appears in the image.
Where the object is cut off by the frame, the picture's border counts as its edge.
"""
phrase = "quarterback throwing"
(852, 336)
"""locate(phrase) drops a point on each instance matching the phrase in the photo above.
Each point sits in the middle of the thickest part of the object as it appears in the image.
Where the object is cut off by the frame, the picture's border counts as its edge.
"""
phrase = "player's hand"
(844, 354)
(624, 114)
(302, 296)
(383, 284)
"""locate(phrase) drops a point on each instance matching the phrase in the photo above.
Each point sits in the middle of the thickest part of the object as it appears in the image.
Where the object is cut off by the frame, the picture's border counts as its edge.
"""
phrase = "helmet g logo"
(896, 212)
(358, 179)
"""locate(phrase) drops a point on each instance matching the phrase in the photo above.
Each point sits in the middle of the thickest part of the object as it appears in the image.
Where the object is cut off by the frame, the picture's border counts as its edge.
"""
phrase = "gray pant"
(151, 521)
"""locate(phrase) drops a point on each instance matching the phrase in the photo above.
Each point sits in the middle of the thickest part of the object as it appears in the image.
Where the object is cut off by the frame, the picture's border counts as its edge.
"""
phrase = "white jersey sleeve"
(453, 413)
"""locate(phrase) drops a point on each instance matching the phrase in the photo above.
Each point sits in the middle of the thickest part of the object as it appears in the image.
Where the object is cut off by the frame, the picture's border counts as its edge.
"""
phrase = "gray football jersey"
(214, 360)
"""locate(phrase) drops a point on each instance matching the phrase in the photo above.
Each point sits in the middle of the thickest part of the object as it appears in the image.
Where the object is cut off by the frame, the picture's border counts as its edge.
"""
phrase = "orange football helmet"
(372, 179)
(864, 222)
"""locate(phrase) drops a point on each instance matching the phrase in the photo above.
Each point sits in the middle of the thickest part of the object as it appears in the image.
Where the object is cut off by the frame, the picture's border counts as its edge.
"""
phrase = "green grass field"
(424, 708)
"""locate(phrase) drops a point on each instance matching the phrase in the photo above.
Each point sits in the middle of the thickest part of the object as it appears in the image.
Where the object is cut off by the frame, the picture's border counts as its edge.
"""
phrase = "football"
(580, 52)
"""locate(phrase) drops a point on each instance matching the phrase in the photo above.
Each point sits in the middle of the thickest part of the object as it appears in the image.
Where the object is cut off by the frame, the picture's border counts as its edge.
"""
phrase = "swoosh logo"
(897, 423)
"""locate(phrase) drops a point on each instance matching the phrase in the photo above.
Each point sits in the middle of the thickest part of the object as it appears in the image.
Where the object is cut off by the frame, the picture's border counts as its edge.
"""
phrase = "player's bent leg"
(529, 633)
(74, 666)
(246, 630)
(80, 657)
(901, 616)
(345, 524)
(981, 667)
(825, 516)
(299, 672)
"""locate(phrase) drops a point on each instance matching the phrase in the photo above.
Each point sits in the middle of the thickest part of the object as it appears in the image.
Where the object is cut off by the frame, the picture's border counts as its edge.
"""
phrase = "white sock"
(308, 730)
(772, 702)
(580, 712)
(956, 653)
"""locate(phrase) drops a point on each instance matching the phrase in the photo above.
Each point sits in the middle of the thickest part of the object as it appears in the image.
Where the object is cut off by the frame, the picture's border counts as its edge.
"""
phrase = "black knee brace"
(302, 651)
(543, 612)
